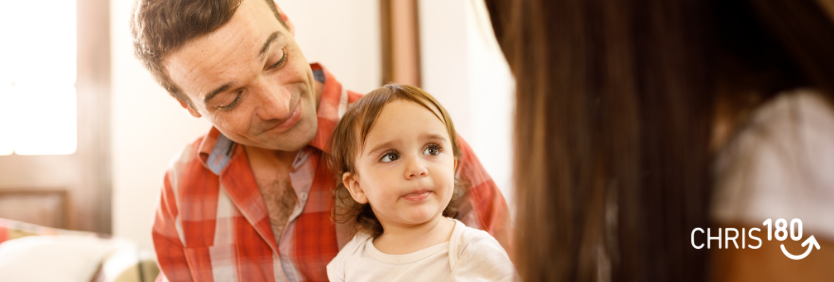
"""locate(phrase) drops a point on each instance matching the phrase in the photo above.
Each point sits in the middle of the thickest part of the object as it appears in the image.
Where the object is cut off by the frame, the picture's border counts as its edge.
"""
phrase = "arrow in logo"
(810, 241)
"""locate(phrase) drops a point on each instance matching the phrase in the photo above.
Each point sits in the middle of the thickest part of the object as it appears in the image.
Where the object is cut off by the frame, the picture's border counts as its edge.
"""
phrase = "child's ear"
(351, 182)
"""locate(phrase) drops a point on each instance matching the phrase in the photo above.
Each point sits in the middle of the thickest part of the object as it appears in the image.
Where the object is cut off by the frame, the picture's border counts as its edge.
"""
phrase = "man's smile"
(288, 123)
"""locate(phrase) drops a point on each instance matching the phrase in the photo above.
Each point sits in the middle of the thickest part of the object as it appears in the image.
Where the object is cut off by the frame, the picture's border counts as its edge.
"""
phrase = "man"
(251, 200)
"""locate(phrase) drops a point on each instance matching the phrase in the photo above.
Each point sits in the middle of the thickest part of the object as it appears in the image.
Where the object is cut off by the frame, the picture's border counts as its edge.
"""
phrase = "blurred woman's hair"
(616, 103)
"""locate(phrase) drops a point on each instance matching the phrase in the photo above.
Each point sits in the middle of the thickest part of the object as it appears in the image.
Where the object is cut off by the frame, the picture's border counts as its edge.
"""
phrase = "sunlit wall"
(464, 68)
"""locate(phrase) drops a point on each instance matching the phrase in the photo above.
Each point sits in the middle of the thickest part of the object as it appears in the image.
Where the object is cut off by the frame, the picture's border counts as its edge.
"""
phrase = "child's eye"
(389, 157)
(432, 150)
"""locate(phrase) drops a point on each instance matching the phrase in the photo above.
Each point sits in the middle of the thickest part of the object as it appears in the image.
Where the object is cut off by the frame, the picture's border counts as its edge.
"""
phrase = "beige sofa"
(30, 252)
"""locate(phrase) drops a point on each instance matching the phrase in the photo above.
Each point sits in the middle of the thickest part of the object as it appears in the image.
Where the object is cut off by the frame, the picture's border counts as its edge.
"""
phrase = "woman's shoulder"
(800, 109)
(778, 164)
(796, 126)
(793, 133)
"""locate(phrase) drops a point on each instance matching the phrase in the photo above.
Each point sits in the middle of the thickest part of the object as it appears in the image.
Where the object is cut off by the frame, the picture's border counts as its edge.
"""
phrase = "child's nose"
(415, 169)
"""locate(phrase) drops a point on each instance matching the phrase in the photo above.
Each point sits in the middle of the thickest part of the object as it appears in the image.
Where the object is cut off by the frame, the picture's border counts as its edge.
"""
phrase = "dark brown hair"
(615, 104)
(160, 27)
(348, 139)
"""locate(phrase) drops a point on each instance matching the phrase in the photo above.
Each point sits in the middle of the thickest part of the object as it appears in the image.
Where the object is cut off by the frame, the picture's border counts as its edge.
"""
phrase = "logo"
(781, 230)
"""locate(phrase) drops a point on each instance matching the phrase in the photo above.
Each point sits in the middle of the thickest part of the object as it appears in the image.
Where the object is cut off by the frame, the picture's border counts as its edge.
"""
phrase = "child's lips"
(417, 195)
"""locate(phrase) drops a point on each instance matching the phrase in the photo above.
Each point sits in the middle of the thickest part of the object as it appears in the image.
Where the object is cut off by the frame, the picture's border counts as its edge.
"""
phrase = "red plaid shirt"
(212, 223)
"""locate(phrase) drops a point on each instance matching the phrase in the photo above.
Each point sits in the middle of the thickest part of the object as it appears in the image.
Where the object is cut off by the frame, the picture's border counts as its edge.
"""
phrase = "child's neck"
(404, 239)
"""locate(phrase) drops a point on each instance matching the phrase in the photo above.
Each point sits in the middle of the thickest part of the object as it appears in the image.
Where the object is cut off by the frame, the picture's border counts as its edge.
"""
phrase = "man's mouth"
(289, 122)
(417, 195)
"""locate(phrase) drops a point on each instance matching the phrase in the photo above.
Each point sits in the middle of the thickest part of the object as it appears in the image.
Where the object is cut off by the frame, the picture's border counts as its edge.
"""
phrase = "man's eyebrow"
(214, 92)
(272, 37)
(268, 42)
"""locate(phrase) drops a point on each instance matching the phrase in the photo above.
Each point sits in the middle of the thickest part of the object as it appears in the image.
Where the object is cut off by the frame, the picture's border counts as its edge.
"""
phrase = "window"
(38, 104)
(54, 113)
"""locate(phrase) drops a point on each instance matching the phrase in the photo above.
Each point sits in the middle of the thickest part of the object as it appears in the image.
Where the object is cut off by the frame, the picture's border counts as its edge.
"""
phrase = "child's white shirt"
(469, 255)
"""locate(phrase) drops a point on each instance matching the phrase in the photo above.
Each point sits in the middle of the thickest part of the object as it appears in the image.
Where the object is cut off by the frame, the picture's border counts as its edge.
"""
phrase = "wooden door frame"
(400, 38)
(94, 87)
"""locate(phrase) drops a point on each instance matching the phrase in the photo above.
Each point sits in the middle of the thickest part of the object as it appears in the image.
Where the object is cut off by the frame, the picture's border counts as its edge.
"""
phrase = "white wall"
(341, 35)
(463, 67)
(149, 127)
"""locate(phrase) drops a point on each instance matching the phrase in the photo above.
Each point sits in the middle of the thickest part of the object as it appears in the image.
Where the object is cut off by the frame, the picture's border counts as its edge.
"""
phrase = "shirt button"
(304, 196)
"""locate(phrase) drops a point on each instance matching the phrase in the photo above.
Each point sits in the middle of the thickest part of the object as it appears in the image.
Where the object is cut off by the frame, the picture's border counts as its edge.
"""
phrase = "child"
(395, 152)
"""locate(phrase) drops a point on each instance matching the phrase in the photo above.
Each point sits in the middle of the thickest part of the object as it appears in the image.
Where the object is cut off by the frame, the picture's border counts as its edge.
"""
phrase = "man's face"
(250, 79)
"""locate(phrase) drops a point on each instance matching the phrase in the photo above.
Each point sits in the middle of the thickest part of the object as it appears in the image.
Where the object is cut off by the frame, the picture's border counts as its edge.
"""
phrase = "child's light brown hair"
(348, 140)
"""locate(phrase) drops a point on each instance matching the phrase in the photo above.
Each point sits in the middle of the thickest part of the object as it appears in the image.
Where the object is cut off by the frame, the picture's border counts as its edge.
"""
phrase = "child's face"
(406, 169)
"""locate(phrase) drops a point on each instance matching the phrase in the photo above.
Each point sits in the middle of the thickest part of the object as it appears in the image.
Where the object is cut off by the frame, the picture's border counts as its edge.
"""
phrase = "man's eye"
(232, 104)
(389, 157)
(432, 150)
(281, 61)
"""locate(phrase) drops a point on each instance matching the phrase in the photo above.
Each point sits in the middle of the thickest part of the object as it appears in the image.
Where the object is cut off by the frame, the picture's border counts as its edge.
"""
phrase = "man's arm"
(170, 255)
(485, 207)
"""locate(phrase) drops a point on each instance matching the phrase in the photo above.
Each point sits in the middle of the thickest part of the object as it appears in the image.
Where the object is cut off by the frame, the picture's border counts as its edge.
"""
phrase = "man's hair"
(348, 139)
(160, 27)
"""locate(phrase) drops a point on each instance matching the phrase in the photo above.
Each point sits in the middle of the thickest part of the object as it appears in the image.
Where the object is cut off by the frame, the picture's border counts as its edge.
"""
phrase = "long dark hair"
(615, 106)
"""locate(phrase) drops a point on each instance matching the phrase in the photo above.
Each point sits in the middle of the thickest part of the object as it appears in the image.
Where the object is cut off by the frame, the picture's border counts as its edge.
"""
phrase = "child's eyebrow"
(383, 146)
(432, 136)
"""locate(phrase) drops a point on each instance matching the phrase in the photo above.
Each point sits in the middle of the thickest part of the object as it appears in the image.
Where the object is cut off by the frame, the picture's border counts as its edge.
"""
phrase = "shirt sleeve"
(484, 207)
(483, 259)
(170, 255)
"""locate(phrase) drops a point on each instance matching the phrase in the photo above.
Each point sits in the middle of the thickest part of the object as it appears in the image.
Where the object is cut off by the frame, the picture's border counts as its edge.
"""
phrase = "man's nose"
(275, 100)
(415, 168)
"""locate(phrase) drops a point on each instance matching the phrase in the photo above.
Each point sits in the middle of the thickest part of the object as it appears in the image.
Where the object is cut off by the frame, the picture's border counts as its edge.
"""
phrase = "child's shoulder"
(473, 253)
(336, 267)
(465, 238)
(466, 234)
(355, 245)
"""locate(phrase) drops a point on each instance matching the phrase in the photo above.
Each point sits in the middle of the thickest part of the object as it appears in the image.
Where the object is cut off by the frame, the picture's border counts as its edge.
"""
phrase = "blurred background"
(86, 134)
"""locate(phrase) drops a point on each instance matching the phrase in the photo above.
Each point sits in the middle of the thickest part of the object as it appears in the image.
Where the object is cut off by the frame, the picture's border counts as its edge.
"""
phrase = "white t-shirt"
(780, 165)
(469, 255)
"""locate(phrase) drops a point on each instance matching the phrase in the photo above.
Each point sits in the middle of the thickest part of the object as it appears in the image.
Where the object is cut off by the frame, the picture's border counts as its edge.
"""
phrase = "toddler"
(395, 152)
